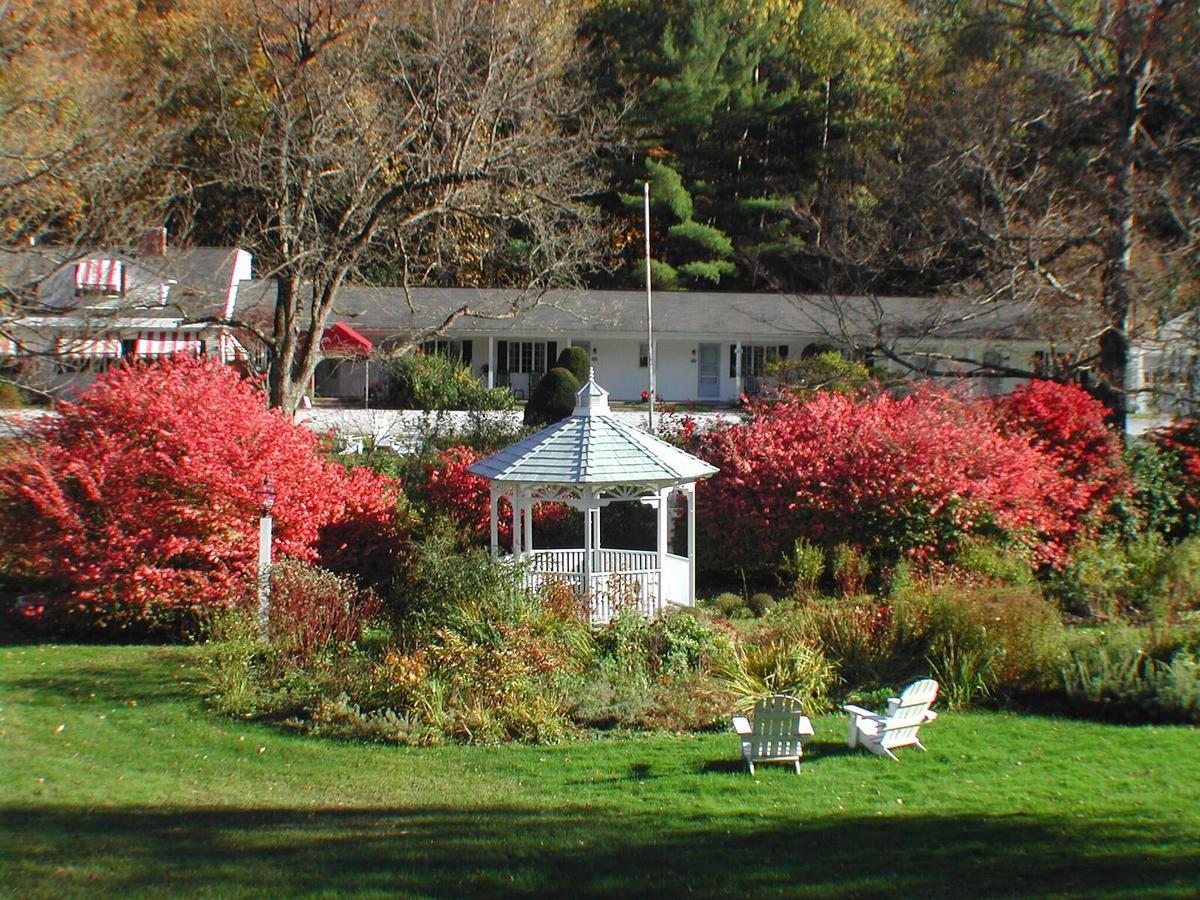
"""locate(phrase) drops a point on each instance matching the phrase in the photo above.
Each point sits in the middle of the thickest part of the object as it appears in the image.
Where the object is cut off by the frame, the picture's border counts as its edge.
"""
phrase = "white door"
(710, 372)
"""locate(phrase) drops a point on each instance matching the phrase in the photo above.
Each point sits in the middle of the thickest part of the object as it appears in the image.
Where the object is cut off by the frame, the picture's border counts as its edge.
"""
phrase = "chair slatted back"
(776, 728)
(906, 717)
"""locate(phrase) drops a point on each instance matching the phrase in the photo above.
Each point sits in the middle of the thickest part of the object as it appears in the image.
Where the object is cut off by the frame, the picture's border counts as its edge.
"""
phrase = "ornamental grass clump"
(758, 669)
(1115, 673)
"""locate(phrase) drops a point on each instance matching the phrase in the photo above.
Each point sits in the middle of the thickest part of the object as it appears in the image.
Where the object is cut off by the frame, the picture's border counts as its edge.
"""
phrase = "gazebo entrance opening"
(610, 578)
(589, 461)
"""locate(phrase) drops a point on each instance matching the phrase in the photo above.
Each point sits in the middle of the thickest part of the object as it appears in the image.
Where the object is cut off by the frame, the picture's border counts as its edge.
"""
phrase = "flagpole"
(649, 308)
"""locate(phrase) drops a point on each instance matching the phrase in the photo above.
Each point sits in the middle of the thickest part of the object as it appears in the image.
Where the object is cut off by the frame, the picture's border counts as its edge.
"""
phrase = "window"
(643, 356)
(756, 358)
(527, 356)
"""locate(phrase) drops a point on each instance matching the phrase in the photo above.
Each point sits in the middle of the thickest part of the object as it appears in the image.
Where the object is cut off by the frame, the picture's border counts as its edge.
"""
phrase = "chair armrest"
(741, 725)
(930, 715)
(860, 712)
(804, 727)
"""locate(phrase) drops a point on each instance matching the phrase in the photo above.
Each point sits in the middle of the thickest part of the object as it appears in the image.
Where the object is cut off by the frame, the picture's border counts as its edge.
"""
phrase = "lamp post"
(266, 499)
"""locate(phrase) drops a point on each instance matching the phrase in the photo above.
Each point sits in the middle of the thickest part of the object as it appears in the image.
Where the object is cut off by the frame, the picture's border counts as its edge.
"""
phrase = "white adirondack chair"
(776, 734)
(884, 732)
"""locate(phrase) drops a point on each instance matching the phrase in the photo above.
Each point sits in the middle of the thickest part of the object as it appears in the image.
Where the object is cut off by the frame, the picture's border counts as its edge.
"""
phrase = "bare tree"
(1057, 172)
(410, 142)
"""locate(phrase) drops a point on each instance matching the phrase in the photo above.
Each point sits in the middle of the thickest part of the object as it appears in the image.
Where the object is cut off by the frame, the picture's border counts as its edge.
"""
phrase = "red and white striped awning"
(89, 348)
(99, 275)
(164, 343)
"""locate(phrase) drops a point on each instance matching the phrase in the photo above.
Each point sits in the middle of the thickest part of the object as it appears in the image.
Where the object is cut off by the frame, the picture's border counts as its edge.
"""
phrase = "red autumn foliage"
(892, 476)
(454, 492)
(1067, 424)
(313, 610)
(136, 506)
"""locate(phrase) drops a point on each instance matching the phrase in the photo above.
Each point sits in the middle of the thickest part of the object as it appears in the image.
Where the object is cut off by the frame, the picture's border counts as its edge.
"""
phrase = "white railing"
(620, 578)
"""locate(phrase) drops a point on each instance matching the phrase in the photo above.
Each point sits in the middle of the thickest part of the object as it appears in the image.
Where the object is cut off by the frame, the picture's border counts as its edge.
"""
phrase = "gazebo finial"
(591, 399)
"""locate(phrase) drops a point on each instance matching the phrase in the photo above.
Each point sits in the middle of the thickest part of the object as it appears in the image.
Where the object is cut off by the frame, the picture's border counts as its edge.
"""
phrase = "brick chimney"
(153, 242)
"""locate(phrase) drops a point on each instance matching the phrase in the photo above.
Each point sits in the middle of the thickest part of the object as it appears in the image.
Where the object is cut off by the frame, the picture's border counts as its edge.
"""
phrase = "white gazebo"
(587, 461)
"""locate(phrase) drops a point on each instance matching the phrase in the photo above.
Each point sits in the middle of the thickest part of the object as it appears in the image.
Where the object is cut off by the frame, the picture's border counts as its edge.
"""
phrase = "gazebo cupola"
(590, 460)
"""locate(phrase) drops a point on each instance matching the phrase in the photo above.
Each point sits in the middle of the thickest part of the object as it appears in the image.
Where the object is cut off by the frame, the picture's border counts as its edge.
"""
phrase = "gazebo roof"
(592, 447)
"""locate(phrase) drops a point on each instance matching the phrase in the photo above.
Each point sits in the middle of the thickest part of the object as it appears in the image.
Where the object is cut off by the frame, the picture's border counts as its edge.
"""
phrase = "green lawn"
(116, 779)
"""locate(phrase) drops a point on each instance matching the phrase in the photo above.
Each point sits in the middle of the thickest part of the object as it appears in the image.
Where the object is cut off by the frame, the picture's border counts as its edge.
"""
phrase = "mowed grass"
(116, 779)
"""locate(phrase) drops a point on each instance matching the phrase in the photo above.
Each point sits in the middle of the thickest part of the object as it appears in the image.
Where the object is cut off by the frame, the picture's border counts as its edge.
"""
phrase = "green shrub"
(996, 562)
(1111, 673)
(684, 703)
(1109, 577)
(553, 399)
(756, 670)
(851, 568)
(673, 644)
(802, 568)
(11, 396)
(1158, 486)
(990, 641)
(435, 382)
(575, 360)
(1176, 582)
(727, 604)
(760, 604)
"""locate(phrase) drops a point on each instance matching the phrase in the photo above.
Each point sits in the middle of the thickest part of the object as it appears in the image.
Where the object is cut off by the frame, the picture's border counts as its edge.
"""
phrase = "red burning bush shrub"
(137, 506)
(1067, 424)
(454, 492)
(892, 476)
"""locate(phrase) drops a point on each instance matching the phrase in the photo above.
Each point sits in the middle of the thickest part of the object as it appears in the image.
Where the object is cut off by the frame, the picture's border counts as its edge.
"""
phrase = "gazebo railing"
(620, 578)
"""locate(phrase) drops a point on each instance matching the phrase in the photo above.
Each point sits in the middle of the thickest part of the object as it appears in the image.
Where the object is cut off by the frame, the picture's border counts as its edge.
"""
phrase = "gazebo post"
(661, 547)
(587, 542)
(527, 542)
(598, 566)
(690, 491)
(494, 518)
(516, 522)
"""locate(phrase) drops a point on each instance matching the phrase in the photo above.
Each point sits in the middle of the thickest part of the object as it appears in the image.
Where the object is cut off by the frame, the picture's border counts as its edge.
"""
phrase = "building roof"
(378, 311)
(200, 278)
(592, 448)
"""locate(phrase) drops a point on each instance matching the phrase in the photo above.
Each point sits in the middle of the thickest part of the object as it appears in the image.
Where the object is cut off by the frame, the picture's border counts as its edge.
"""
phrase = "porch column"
(494, 518)
(663, 528)
(737, 369)
(516, 522)
(491, 372)
(690, 491)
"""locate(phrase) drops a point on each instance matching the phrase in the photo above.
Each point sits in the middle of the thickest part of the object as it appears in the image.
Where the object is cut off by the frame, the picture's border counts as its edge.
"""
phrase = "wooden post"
(264, 570)
(527, 541)
(691, 543)
(516, 522)
(663, 528)
(587, 543)
(493, 518)
(491, 372)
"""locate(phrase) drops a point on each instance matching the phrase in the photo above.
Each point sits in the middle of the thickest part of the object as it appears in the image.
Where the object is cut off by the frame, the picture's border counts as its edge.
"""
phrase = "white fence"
(620, 579)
